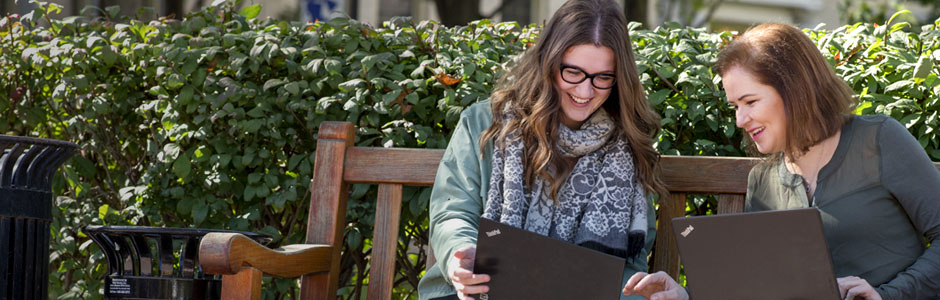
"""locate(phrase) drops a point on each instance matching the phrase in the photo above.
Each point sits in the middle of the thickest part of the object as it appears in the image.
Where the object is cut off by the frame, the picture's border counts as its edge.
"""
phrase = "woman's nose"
(585, 89)
(741, 117)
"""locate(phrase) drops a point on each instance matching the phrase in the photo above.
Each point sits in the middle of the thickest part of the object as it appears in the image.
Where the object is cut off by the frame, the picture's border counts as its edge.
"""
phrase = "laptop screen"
(763, 255)
(526, 265)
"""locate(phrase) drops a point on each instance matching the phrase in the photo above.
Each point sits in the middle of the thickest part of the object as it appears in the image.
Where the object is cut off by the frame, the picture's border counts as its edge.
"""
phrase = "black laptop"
(763, 255)
(526, 265)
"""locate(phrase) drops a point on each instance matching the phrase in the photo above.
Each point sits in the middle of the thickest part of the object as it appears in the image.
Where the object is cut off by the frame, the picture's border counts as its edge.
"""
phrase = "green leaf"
(293, 88)
(224, 159)
(252, 126)
(270, 180)
(420, 204)
(272, 83)
(354, 239)
(254, 177)
(186, 94)
(294, 160)
(200, 211)
(895, 15)
(659, 96)
(171, 151)
(270, 231)
(924, 66)
(251, 11)
(182, 167)
(174, 82)
(358, 190)
(334, 66)
(84, 166)
(935, 153)
(862, 107)
(256, 112)
(103, 211)
(184, 206)
(352, 84)
(113, 11)
(899, 85)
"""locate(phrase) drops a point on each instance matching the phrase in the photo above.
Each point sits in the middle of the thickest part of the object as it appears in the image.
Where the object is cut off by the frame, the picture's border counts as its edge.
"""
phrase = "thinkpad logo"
(492, 233)
(687, 231)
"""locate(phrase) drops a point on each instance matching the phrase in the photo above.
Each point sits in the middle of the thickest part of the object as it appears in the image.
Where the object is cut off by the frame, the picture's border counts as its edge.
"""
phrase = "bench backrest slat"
(416, 167)
(327, 213)
(387, 217)
(706, 174)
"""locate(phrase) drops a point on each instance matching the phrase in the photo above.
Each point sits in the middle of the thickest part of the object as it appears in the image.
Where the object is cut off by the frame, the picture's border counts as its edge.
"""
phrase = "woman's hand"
(656, 286)
(852, 287)
(465, 282)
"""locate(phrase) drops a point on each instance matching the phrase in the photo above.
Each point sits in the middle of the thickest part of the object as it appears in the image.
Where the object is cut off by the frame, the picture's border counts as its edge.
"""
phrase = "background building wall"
(714, 14)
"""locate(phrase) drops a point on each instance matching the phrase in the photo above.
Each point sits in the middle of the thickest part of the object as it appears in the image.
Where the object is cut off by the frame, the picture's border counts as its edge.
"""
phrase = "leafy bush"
(210, 121)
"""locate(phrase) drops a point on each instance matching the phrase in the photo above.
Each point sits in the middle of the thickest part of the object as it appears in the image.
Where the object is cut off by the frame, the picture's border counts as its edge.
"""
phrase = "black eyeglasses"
(575, 75)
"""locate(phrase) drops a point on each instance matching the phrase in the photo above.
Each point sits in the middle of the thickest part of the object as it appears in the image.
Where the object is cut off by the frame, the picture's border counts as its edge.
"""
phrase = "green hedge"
(210, 121)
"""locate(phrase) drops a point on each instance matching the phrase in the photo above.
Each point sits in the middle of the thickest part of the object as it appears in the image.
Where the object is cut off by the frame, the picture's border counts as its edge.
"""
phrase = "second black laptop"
(763, 255)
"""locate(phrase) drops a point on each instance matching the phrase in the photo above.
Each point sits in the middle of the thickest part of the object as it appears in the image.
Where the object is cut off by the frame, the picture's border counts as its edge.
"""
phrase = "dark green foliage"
(210, 121)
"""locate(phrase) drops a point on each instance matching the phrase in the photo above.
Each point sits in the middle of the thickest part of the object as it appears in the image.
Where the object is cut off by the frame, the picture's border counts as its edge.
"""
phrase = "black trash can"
(27, 166)
(157, 262)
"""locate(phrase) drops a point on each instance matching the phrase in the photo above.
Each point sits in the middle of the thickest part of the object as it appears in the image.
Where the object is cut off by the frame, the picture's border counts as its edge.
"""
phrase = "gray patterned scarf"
(600, 206)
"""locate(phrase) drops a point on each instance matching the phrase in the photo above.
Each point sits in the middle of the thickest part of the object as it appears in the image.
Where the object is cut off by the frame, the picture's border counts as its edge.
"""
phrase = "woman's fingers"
(847, 283)
(465, 282)
(653, 283)
(851, 287)
(656, 286)
(665, 295)
(474, 289)
(631, 283)
(645, 285)
(470, 279)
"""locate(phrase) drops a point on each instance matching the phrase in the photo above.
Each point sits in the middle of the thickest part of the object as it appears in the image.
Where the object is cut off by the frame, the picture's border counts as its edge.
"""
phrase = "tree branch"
(708, 15)
(499, 9)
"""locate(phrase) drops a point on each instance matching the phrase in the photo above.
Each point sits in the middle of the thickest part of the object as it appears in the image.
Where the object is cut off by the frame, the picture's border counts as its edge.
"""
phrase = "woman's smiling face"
(758, 108)
(580, 100)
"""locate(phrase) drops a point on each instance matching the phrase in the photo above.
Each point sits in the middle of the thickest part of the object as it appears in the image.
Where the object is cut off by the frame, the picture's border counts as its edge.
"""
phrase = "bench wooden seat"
(339, 163)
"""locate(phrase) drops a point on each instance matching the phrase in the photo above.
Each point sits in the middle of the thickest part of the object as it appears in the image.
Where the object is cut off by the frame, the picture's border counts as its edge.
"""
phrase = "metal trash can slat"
(27, 166)
(142, 262)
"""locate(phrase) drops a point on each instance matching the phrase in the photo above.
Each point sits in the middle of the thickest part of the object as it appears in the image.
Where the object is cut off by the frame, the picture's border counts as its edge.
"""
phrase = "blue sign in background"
(322, 9)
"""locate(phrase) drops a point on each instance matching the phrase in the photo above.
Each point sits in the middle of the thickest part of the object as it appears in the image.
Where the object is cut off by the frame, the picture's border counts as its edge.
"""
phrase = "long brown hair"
(528, 91)
(816, 101)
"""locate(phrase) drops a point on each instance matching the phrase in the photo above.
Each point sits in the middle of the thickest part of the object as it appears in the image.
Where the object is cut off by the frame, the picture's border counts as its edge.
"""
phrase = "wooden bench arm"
(227, 253)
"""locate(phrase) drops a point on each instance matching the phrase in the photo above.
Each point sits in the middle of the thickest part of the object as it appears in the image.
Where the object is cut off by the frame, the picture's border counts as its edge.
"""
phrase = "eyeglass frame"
(586, 76)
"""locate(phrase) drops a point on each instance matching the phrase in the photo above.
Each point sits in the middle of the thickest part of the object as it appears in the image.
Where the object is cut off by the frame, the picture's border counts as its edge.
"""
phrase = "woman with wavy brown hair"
(564, 148)
(878, 191)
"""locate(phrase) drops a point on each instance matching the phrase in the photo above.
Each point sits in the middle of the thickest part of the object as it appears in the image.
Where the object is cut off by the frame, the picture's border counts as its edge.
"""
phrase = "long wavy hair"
(816, 101)
(529, 92)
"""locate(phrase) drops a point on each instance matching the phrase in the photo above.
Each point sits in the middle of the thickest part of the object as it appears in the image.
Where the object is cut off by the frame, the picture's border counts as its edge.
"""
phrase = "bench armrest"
(227, 253)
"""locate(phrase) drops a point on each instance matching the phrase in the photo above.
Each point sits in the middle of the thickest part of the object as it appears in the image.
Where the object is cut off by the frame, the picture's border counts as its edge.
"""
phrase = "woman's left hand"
(852, 287)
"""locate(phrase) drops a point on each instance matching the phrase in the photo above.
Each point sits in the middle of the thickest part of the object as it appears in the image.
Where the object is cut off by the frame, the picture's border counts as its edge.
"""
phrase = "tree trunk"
(636, 11)
(173, 7)
(458, 12)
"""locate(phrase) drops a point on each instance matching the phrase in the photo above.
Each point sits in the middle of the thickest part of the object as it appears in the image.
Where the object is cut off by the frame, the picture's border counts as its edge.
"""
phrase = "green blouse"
(458, 198)
(879, 197)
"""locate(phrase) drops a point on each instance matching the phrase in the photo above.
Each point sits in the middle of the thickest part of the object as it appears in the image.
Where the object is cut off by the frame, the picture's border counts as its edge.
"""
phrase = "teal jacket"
(458, 197)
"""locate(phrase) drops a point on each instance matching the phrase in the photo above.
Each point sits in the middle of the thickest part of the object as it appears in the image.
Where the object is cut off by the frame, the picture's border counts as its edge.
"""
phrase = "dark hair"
(816, 101)
(528, 90)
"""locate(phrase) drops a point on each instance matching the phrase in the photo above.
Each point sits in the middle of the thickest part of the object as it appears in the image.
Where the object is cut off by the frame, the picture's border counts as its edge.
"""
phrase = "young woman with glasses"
(563, 148)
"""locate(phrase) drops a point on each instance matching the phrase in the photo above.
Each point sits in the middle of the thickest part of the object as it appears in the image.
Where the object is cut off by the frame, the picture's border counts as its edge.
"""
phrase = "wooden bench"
(242, 262)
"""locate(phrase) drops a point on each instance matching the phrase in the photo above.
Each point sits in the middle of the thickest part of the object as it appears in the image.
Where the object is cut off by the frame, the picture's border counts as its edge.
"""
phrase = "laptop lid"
(763, 255)
(526, 265)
